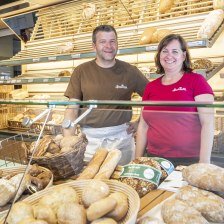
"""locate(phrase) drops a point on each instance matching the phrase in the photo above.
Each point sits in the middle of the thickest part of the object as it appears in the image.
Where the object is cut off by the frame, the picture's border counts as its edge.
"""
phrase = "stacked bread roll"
(64, 205)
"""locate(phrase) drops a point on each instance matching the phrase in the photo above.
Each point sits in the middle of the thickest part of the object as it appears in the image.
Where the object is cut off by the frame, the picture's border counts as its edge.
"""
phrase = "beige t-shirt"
(92, 82)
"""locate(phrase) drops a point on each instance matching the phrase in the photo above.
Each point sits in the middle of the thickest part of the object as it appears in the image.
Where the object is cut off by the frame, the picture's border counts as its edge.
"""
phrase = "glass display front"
(35, 140)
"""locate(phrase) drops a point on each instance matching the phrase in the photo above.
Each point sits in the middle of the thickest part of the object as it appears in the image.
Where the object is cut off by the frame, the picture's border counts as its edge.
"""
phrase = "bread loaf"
(165, 5)
(100, 208)
(94, 165)
(211, 24)
(206, 176)
(211, 206)
(109, 164)
(146, 37)
(176, 211)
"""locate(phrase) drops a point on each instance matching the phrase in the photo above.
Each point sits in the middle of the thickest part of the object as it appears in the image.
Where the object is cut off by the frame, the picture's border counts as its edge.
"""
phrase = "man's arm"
(71, 113)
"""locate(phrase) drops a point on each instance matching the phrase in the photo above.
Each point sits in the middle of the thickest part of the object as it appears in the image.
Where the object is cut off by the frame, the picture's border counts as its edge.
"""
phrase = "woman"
(183, 135)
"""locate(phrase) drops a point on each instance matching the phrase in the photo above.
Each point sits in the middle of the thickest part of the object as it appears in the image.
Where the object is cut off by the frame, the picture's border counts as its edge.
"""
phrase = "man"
(105, 78)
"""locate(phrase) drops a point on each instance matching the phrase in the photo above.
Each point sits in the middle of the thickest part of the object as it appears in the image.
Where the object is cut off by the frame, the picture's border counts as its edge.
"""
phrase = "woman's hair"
(163, 43)
(102, 28)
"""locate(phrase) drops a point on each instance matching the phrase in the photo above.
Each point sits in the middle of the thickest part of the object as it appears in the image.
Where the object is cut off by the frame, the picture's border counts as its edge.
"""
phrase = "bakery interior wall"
(144, 61)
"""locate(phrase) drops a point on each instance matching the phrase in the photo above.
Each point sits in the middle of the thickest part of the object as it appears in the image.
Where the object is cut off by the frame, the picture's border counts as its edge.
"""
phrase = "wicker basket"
(78, 185)
(65, 164)
(15, 170)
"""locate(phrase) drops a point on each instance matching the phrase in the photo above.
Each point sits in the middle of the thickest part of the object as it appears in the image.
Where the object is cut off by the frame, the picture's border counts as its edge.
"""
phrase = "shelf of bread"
(67, 36)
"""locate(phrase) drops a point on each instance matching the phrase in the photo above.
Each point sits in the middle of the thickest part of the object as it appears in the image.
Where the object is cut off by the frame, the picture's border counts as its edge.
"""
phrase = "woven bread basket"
(66, 164)
(115, 186)
(16, 170)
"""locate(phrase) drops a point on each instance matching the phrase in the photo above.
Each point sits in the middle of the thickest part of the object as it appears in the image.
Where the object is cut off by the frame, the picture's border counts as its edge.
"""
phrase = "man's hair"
(163, 43)
(102, 28)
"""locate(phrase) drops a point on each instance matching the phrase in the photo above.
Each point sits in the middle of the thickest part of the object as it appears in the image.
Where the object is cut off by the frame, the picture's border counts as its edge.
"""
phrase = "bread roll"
(100, 208)
(146, 37)
(121, 208)
(211, 24)
(32, 221)
(20, 211)
(206, 176)
(175, 211)
(59, 195)
(104, 221)
(165, 5)
(94, 191)
(109, 164)
(94, 165)
(46, 213)
(71, 213)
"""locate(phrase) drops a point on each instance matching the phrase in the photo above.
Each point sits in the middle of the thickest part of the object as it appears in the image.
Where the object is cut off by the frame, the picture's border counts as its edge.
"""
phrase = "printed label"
(165, 164)
(143, 172)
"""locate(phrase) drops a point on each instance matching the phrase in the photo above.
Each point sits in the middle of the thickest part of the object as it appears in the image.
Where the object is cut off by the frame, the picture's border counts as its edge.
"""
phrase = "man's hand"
(132, 127)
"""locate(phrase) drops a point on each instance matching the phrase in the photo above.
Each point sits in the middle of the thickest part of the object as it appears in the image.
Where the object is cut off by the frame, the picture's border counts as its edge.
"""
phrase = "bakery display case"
(65, 158)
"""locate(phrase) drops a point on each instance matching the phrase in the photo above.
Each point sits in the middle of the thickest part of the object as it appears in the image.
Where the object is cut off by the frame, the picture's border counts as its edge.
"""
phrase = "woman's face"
(172, 57)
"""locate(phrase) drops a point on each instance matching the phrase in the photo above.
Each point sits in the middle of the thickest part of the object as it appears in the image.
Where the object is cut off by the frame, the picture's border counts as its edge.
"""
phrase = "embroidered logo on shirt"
(122, 86)
(179, 89)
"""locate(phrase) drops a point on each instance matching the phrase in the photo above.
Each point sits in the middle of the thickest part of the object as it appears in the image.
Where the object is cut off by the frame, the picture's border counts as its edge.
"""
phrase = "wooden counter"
(152, 199)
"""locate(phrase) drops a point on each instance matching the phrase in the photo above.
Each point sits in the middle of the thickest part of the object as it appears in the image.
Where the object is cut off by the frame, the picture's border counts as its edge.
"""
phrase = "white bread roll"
(165, 5)
(176, 211)
(211, 24)
(20, 210)
(104, 221)
(94, 191)
(109, 164)
(100, 208)
(7, 191)
(32, 221)
(46, 213)
(146, 37)
(206, 176)
(210, 205)
(122, 206)
(94, 165)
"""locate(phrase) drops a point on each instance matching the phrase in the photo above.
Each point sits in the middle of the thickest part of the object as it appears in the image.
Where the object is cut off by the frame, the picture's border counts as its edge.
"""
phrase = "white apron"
(114, 137)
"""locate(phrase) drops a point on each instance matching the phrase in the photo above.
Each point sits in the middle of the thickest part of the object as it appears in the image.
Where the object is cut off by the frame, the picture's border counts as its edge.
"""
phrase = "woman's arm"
(141, 139)
(206, 116)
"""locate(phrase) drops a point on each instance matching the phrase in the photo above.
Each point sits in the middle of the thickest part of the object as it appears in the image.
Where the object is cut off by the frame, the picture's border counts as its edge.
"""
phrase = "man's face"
(106, 46)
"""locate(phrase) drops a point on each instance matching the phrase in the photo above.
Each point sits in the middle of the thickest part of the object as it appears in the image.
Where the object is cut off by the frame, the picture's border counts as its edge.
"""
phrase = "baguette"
(94, 165)
(109, 164)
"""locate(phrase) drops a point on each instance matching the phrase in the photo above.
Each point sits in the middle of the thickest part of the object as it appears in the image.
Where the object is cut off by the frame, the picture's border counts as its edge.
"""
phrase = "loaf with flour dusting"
(206, 176)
